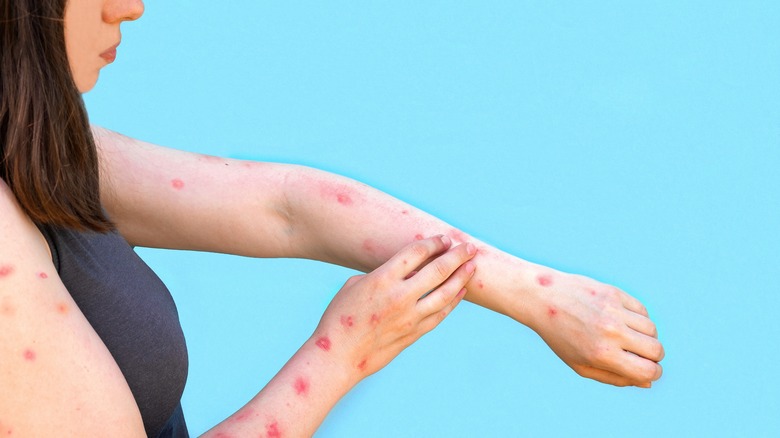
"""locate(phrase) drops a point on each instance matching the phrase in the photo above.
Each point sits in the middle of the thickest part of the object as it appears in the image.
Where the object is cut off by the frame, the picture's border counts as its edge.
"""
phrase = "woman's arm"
(57, 378)
(172, 199)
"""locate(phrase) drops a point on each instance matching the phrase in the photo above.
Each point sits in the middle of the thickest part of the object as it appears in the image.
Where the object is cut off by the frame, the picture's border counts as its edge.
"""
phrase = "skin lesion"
(6, 270)
(272, 430)
(177, 184)
(347, 321)
(323, 343)
(544, 280)
(301, 386)
(29, 355)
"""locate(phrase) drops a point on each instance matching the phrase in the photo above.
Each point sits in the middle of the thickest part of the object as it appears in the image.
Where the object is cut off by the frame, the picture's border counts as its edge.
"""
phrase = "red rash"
(62, 308)
(481, 284)
(405, 212)
(177, 184)
(43, 275)
(375, 318)
(272, 430)
(344, 199)
(29, 355)
(418, 237)
(362, 365)
(301, 386)
(6, 270)
(347, 321)
(592, 292)
(544, 280)
(551, 312)
(323, 343)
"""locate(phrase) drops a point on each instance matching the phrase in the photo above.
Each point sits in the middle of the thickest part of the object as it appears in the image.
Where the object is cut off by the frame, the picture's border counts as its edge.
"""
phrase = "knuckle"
(608, 327)
(441, 270)
(420, 249)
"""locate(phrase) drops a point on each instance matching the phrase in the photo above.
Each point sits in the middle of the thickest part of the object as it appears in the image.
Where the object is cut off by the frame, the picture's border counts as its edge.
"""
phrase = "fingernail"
(445, 240)
(471, 249)
(462, 292)
(470, 267)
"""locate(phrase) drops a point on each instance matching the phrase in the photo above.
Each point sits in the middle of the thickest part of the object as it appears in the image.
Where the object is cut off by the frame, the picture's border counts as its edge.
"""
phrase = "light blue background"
(636, 142)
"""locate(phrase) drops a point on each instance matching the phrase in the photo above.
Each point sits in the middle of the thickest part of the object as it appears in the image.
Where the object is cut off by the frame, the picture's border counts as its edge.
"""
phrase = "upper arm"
(166, 198)
(56, 376)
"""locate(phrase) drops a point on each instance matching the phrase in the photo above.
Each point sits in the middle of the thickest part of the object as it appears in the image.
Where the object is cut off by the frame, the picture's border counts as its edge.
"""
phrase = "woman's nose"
(116, 11)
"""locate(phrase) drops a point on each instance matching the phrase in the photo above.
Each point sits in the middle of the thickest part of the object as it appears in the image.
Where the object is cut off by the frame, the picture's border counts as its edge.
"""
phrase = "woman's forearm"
(295, 401)
(598, 330)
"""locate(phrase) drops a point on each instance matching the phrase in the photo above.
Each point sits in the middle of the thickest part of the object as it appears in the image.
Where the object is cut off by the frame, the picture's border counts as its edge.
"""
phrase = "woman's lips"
(110, 54)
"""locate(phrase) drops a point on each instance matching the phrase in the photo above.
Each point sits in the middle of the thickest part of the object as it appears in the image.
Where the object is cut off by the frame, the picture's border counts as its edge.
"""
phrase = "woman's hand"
(598, 330)
(370, 320)
(375, 316)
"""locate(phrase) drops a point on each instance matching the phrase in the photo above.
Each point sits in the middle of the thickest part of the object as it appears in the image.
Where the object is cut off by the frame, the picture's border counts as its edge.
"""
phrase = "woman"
(89, 339)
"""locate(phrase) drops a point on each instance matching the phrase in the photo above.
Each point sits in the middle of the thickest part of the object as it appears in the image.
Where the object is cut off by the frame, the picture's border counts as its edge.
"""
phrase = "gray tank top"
(133, 313)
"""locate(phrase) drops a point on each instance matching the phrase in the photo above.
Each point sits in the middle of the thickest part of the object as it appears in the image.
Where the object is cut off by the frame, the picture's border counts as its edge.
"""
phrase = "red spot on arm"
(544, 280)
(272, 430)
(347, 321)
(177, 184)
(301, 386)
(418, 237)
(480, 284)
(551, 312)
(324, 343)
(344, 199)
(338, 192)
(362, 365)
(6, 270)
(62, 308)
(43, 275)
(405, 212)
(29, 355)
(592, 292)
(375, 318)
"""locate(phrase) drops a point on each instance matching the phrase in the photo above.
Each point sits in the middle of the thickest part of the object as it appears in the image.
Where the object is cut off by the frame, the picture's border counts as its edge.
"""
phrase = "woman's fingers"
(409, 259)
(430, 322)
(638, 369)
(633, 304)
(641, 323)
(645, 346)
(607, 377)
(441, 297)
(439, 270)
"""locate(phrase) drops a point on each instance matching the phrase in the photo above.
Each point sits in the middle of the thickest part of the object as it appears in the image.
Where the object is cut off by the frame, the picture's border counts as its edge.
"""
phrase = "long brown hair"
(47, 153)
